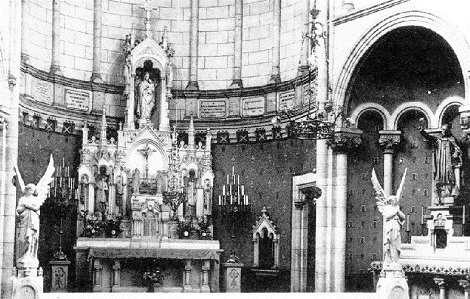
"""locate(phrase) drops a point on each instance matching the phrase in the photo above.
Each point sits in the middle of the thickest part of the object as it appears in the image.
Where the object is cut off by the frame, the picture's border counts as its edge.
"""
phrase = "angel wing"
(380, 194)
(43, 186)
(19, 179)
(400, 189)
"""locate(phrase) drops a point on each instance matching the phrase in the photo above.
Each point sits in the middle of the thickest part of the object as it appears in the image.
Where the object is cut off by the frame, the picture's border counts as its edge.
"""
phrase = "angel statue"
(27, 212)
(393, 219)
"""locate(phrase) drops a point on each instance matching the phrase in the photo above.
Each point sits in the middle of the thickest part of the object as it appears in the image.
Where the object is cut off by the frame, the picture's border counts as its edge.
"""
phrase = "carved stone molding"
(440, 282)
(345, 140)
(389, 140)
(465, 284)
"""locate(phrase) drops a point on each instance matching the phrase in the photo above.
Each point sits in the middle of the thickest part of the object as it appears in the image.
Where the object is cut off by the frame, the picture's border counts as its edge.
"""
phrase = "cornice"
(367, 11)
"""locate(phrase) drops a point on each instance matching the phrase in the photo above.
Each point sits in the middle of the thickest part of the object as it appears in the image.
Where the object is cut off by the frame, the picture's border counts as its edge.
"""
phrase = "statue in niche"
(102, 193)
(393, 220)
(207, 193)
(28, 212)
(146, 97)
(447, 157)
(136, 181)
(120, 183)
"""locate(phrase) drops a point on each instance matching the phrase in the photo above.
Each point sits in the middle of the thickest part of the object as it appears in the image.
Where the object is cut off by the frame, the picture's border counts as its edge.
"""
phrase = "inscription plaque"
(77, 99)
(212, 109)
(253, 106)
(286, 100)
(42, 91)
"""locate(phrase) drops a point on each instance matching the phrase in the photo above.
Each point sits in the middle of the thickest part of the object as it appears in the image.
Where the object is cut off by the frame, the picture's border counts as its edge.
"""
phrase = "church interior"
(253, 146)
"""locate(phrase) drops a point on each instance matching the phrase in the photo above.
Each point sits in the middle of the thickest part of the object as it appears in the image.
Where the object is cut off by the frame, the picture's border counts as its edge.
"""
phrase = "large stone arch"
(444, 29)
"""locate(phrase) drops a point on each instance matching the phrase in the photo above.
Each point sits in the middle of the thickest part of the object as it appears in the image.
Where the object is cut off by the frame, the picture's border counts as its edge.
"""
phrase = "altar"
(145, 196)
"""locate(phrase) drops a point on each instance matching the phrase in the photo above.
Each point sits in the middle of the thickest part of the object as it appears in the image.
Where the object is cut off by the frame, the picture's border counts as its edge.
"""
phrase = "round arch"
(430, 117)
(446, 104)
(426, 20)
(365, 107)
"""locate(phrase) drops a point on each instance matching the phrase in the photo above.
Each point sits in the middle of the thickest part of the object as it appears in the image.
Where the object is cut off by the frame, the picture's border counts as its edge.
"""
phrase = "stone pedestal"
(60, 275)
(232, 274)
(392, 283)
(27, 283)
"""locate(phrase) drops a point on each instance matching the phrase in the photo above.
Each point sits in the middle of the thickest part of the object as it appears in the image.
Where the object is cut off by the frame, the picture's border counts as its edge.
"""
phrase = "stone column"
(320, 217)
(97, 21)
(194, 46)
(187, 277)
(465, 284)
(321, 56)
(389, 140)
(116, 274)
(304, 65)
(442, 287)
(344, 141)
(3, 188)
(55, 63)
(276, 29)
(299, 251)
(97, 275)
(232, 277)
(205, 268)
(238, 44)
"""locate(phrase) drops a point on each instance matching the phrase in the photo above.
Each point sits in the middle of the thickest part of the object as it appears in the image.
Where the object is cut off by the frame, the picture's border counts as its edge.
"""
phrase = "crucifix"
(146, 153)
(148, 10)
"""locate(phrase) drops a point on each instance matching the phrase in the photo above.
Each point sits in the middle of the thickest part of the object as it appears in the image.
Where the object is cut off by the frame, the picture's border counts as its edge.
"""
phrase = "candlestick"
(233, 170)
(238, 179)
(243, 190)
(231, 199)
(463, 215)
(422, 215)
(220, 200)
(223, 190)
(407, 223)
(246, 197)
(63, 161)
(228, 179)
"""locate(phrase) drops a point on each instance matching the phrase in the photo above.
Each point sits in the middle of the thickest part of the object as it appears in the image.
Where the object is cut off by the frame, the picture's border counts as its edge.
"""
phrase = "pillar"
(344, 141)
(299, 250)
(321, 56)
(304, 65)
(276, 30)
(97, 275)
(194, 46)
(238, 44)
(116, 274)
(187, 277)
(97, 21)
(465, 284)
(3, 187)
(24, 22)
(442, 287)
(205, 268)
(55, 63)
(8, 196)
(320, 216)
(389, 140)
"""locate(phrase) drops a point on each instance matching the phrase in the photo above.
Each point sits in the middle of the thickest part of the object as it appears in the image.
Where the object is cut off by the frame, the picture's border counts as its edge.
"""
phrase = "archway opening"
(407, 64)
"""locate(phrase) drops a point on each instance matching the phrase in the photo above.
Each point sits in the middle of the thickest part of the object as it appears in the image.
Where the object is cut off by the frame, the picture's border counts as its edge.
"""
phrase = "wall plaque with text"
(42, 91)
(77, 99)
(212, 109)
(286, 100)
(253, 106)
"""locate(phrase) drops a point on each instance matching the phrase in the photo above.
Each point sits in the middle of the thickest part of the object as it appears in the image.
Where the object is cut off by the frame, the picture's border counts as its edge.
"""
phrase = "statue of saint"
(393, 220)
(27, 213)
(120, 183)
(447, 157)
(102, 193)
(136, 181)
(207, 193)
(146, 98)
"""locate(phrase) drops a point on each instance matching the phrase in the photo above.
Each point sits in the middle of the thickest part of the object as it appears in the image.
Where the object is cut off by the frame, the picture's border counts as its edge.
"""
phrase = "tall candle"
(63, 162)
(463, 215)
(231, 199)
(223, 190)
(422, 215)
(243, 190)
(246, 198)
(407, 223)
(220, 200)
(228, 182)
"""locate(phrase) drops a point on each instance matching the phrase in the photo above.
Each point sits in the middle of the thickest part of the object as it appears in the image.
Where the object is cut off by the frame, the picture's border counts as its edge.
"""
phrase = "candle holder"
(233, 199)
(64, 188)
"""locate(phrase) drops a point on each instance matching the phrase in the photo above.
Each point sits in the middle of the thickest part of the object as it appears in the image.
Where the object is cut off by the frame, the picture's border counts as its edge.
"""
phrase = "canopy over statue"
(27, 211)
(388, 205)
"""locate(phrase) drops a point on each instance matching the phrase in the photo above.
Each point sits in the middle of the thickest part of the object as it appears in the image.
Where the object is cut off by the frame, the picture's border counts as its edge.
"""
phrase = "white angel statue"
(393, 219)
(27, 212)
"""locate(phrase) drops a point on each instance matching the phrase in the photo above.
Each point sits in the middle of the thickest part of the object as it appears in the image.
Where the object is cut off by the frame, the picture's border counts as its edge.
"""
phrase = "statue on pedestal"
(447, 158)
(146, 98)
(393, 220)
(27, 211)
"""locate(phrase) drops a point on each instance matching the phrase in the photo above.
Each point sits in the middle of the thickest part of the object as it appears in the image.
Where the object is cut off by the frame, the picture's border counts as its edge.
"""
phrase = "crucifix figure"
(146, 153)
(148, 10)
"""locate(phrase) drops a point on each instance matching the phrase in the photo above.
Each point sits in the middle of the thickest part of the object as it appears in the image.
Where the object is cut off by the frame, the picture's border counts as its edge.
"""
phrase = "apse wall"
(216, 38)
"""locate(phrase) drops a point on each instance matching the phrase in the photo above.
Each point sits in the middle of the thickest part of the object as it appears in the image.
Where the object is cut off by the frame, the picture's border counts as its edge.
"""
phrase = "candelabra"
(63, 188)
(233, 199)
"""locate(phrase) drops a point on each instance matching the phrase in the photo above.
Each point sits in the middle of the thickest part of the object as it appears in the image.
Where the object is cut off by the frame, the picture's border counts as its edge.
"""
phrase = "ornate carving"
(345, 141)
(389, 140)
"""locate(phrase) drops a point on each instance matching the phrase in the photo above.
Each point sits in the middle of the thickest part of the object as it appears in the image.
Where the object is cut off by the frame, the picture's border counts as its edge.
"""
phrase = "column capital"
(440, 282)
(299, 205)
(465, 284)
(3, 123)
(389, 140)
(345, 139)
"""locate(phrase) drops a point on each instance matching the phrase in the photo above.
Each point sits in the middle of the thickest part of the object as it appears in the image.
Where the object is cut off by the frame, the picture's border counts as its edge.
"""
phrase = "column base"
(275, 79)
(392, 283)
(96, 78)
(192, 85)
(27, 281)
(55, 70)
(236, 83)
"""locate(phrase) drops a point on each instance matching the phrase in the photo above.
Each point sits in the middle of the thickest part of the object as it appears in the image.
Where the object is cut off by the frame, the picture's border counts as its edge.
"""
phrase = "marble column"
(299, 273)
(320, 217)
(55, 63)
(116, 274)
(194, 46)
(97, 21)
(205, 268)
(3, 187)
(344, 141)
(8, 197)
(304, 65)
(276, 30)
(187, 277)
(97, 275)
(465, 284)
(238, 44)
(389, 140)
(442, 287)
